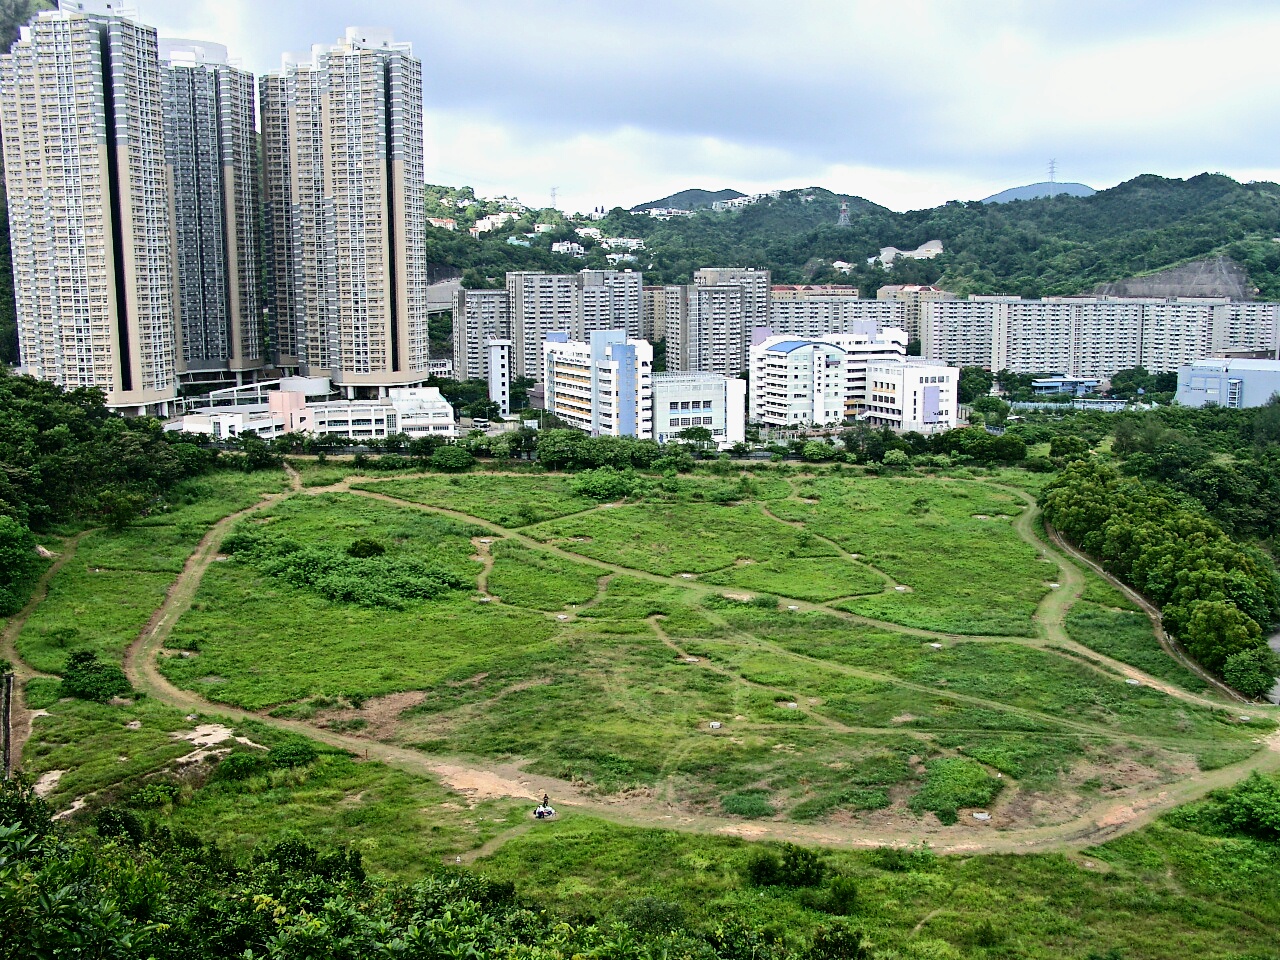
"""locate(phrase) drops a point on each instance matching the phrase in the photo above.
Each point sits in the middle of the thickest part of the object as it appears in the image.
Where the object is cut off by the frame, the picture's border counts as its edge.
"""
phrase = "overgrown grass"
(104, 594)
(511, 501)
(1127, 636)
(819, 579)
(964, 574)
(669, 538)
(527, 578)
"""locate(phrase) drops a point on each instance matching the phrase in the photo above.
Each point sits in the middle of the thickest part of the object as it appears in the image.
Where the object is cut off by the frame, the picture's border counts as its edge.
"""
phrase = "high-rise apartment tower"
(82, 118)
(211, 150)
(344, 197)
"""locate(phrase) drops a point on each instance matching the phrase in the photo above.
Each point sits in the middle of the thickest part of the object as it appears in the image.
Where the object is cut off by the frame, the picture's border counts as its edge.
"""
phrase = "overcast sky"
(908, 103)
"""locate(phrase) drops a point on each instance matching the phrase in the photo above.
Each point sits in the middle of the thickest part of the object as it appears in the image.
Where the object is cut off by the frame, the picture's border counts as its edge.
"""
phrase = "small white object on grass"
(715, 724)
(1133, 683)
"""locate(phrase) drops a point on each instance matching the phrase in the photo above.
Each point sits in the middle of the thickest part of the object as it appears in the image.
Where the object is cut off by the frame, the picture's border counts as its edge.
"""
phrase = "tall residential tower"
(211, 150)
(82, 118)
(344, 195)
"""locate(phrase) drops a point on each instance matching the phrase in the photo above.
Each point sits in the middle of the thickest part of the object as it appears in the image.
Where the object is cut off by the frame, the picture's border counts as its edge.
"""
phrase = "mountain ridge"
(1042, 190)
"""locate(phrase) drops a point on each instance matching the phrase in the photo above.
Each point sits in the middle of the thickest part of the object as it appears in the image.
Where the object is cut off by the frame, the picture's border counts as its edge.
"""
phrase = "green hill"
(695, 199)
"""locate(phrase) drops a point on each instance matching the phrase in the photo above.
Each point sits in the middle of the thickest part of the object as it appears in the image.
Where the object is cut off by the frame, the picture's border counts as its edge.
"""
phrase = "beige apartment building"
(82, 115)
(911, 296)
(343, 190)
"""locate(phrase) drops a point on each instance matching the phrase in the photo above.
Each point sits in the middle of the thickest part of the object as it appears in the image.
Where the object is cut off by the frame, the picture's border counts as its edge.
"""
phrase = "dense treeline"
(1215, 595)
(64, 458)
(141, 890)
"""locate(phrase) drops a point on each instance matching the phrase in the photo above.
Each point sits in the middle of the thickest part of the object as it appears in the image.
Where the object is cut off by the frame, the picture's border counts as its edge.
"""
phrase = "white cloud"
(907, 103)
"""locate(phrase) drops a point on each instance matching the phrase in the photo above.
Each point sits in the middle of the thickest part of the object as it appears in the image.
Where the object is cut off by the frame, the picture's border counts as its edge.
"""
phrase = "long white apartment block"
(806, 291)
(500, 352)
(211, 151)
(344, 203)
(790, 385)
(819, 315)
(81, 108)
(478, 317)
(1093, 337)
(911, 394)
(603, 385)
(911, 296)
(707, 400)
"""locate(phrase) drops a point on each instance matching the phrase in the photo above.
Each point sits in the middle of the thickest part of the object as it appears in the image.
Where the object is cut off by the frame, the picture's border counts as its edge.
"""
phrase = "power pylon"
(844, 214)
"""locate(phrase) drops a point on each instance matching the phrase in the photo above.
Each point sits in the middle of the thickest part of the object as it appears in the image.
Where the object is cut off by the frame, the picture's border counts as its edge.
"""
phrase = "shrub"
(897, 460)
(800, 867)
(747, 803)
(240, 766)
(115, 822)
(651, 915)
(837, 942)
(1253, 807)
(604, 484)
(452, 460)
(762, 868)
(153, 795)
(85, 677)
(293, 753)
(364, 548)
(903, 859)
(18, 564)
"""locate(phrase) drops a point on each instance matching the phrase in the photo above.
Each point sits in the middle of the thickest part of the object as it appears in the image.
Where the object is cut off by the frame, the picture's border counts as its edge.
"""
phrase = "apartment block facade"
(611, 300)
(211, 152)
(81, 108)
(478, 317)
(817, 316)
(344, 198)
(911, 296)
(603, 385)
(1092, 337)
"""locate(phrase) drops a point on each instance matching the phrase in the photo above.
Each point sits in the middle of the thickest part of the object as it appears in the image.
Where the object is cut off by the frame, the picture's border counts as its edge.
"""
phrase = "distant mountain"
(1038, 191)
(690, 200)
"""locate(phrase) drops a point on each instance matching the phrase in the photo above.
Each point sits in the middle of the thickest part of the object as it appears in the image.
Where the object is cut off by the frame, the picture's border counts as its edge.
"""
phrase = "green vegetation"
(526, 578)
(512, 501)
(1214, 594)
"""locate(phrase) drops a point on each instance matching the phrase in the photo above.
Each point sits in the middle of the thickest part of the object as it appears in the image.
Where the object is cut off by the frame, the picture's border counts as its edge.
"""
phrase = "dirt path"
(21, 717)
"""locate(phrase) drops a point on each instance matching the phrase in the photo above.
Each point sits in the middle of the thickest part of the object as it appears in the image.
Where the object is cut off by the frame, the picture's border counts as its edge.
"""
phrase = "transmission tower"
(844, 214)
(553, 197)
(1053, 171)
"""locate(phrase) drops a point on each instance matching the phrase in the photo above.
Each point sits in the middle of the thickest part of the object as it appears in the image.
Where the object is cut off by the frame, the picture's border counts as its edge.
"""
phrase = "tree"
(1068, 447)
(974, 382)
(1216, 630)
(18, 564)
(452, 459)
(817, 451)
(1252, 672)
(897, 460)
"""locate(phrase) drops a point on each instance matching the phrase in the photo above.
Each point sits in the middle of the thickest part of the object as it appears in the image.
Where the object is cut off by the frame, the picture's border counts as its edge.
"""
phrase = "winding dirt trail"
(1105, 817)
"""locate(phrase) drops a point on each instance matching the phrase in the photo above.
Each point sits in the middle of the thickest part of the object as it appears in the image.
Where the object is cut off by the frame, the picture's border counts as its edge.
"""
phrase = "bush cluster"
(1215, 595)
(373, 580)
(85, 677)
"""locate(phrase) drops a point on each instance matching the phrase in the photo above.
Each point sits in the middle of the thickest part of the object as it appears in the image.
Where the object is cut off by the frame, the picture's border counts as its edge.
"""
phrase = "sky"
(908, 103)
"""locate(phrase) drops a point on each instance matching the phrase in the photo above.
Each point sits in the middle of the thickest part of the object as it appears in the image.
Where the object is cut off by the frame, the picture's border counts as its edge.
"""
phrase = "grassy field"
(673, 538)
(613, 679)
(104, 595)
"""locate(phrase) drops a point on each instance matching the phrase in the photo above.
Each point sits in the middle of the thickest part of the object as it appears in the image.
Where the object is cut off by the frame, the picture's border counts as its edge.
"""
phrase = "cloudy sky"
(908, 103)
